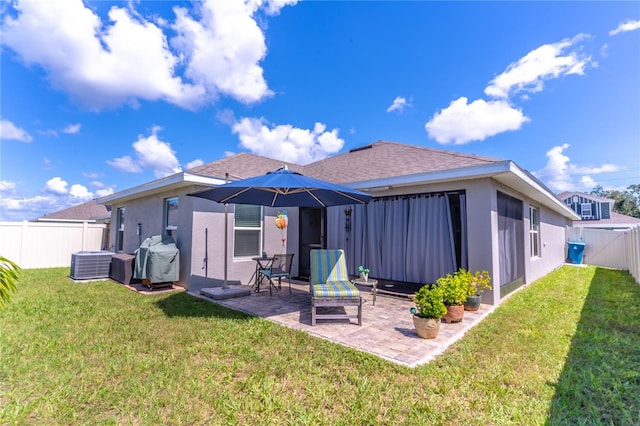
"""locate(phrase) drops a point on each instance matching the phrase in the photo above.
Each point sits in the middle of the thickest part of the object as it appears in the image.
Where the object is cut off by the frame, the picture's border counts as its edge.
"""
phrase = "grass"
(562, 351)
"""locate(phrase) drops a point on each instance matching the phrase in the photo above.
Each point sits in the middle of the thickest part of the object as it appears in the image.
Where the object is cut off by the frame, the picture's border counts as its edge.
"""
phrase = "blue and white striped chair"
(330, 286)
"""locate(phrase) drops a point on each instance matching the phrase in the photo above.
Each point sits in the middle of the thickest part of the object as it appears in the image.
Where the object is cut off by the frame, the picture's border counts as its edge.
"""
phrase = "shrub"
(429, 302)
(454, 287)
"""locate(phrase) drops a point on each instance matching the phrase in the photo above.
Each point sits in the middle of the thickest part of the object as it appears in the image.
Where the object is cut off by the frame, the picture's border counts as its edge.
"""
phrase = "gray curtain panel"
(407, 238)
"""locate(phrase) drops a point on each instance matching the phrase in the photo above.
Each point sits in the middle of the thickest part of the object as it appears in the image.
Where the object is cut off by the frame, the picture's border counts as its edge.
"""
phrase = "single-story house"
(596, 212)
(433, 212)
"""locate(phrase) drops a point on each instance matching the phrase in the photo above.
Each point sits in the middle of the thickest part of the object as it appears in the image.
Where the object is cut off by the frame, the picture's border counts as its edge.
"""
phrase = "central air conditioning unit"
(87, 265)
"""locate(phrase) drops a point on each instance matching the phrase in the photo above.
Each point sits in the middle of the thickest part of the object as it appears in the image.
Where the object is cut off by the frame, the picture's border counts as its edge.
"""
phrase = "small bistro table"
(261, 263)
(370, 282)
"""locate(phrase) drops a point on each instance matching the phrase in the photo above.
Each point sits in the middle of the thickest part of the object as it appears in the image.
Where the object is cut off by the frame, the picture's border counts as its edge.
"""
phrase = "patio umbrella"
(284, 188)
(281, 188)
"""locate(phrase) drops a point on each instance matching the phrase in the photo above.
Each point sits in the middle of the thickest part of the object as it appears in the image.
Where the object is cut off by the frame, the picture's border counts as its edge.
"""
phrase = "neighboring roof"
(567, 194)
(90, 210)
(389, 159)
(369, 168)
(617, 220)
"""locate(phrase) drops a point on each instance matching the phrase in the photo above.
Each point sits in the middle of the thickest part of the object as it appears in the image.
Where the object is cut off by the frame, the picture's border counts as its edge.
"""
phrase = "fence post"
(23, 232)
(84, 235)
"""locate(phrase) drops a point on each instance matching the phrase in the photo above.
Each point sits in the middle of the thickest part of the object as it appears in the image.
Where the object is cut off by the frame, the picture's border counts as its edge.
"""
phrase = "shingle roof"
(85, 211)
(242, 165)
(378, 160)
(616, 219)
(389, 159)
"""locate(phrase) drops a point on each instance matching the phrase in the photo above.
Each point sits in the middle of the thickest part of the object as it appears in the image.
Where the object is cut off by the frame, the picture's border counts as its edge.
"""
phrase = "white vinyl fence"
(614, 249)
(48, 244)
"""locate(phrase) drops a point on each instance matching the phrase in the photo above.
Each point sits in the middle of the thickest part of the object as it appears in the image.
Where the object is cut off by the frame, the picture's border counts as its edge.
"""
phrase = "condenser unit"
(87, 265)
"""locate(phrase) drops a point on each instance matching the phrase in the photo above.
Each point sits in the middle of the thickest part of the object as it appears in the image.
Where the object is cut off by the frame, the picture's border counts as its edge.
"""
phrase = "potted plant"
(364, 273)
(454, 288)
(478, 282)
(428, 311)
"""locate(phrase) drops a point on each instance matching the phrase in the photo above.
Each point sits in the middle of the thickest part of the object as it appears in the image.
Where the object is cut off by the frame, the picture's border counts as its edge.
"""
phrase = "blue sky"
(97, 96)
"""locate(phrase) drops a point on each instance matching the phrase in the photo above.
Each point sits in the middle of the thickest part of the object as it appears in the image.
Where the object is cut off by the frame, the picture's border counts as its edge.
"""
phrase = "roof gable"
(566, 195)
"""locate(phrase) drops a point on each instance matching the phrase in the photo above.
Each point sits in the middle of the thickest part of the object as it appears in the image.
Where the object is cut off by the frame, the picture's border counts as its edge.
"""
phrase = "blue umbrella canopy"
(284, 188)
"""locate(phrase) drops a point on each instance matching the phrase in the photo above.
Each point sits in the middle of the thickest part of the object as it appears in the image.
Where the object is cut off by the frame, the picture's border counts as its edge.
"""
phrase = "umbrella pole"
(226, 234)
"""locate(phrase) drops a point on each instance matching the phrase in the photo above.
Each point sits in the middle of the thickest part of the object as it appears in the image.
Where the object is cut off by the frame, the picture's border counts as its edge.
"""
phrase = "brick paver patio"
(387, 328)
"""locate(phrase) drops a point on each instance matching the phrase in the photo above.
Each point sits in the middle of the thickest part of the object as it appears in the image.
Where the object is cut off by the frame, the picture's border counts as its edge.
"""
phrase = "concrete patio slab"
(387, 328)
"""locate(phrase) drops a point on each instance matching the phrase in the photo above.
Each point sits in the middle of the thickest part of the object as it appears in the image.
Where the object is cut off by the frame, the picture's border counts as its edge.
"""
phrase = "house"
(596, 212)
(433, 212)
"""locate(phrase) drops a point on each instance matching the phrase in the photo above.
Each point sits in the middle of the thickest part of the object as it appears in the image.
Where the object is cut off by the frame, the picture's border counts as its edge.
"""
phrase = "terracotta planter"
(472, 303)
(454, 313)
(427, 328)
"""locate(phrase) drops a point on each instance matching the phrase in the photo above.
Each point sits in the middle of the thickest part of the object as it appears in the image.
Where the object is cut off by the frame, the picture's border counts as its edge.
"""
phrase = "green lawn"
(565, 350)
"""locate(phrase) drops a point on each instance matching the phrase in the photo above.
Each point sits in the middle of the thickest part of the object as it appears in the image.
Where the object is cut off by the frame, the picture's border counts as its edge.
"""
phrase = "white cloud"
(72, 129)
(6, 185)
(127, 57)
(546, 62)
(626, 26)
(399, 104)
(92, 175)
(125, 164)
(56, 186)
(195, 163)
(461, 123)
(157, 155)
(15, 209)
(287, 143)
(80, 191)
(8, 130)
(562, 175)
(151, 153)
(224, 48)
(104, 192)
(56, 195)
(98, 64)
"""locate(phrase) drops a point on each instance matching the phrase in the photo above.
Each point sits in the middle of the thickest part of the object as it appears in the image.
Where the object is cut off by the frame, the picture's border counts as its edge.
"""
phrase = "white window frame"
(170, 228)
(258, 229)
(534, 232)
(120, 218)
(582, 214)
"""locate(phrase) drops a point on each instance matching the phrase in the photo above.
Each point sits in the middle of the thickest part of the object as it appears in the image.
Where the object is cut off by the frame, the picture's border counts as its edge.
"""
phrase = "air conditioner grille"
(87, 265)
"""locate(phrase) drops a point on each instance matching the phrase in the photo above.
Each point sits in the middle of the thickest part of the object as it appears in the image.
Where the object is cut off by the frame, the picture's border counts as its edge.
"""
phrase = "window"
(585, 211)
(171, 217)
(534, 231)
(247, 230)
(120, 230)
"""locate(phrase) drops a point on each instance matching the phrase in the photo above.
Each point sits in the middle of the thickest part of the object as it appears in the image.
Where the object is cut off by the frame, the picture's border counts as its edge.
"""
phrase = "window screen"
(247, 230)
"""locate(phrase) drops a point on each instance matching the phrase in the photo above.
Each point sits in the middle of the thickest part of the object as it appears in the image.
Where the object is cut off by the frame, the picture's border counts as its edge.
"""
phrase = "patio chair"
(280, 268)
(330, 286)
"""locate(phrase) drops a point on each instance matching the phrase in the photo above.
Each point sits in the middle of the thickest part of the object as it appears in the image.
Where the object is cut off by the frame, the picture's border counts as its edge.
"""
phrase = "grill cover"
(157, 260)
